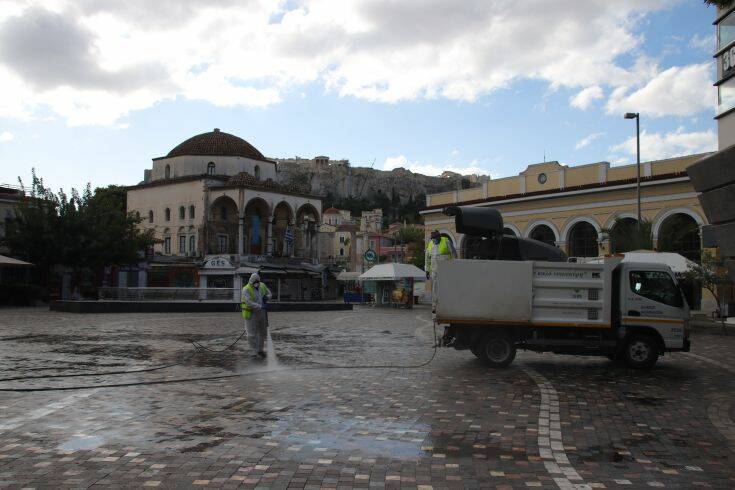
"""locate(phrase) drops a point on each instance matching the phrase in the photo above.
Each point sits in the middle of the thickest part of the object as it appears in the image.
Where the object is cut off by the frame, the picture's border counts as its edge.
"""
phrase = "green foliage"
(712, 275)
(88, 230)
(419, 258)
(393, 209)
(625, 235)
(412, 237)
(719, 3)
(409, 234)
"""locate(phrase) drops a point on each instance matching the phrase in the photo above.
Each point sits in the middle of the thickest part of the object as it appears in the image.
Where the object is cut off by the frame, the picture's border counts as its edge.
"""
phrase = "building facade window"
(150, 216)
(167, 172)
(210, 168)
(182, 212)
(726, 31)
(543, 233)
(222, 242)
(167, 214)
(341, 252)
(193, 245)
(223, 213)
(167, 245)
(257, 172)
(191, 212)
(341, 239)
(182, 244)
(583, 240)
(726, 95)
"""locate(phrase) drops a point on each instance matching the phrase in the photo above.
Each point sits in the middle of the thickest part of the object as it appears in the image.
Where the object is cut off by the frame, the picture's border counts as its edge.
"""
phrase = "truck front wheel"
(496, 350)
(641, 352)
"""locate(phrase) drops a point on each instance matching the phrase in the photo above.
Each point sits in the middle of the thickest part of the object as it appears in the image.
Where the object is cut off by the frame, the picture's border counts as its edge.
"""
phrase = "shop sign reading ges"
(217, 262)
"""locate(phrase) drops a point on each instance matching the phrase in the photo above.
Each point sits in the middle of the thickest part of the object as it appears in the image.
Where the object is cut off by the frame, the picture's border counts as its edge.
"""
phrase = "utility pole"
(636, 116)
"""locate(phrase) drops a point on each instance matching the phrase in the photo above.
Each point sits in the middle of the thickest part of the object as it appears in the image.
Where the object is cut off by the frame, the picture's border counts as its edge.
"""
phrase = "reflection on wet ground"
(453, 423)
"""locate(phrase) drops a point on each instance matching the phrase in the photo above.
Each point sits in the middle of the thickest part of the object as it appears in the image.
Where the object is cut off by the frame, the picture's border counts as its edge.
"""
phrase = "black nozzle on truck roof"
(475, 220)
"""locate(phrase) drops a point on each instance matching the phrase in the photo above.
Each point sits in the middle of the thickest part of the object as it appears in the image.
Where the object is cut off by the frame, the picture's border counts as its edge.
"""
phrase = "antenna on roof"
(544, 155)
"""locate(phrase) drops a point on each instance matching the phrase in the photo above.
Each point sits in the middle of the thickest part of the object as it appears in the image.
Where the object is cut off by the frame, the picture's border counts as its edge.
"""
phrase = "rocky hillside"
(350, 182)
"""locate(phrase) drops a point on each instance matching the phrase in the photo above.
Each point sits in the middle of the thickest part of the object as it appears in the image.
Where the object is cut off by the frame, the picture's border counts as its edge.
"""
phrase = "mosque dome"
(217, 143)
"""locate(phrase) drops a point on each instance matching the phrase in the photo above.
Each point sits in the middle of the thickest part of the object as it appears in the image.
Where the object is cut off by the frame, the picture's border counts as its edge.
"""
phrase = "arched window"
(210, 168)
(168, 171)
(680, 233)
(182, 212)
(543, 233)
(150, 216)
(508, 231)
(192, 245)
(223, 213)
(624, 235)
(257, 172)
(191, 212)
(168, 214)
(583, 240)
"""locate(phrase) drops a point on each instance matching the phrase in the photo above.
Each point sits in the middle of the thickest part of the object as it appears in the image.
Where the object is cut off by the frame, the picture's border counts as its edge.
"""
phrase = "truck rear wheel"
(496, 350)
(641, 352)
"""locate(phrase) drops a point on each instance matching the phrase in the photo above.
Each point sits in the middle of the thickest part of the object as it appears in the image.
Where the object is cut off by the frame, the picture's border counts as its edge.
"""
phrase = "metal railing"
(169, 294)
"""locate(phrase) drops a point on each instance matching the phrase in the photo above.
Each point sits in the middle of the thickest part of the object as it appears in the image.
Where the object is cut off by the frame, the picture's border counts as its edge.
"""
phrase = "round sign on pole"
(370, 255)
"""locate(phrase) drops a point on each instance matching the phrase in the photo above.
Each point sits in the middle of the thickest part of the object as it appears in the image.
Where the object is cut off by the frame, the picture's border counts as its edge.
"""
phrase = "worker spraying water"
(255, 296)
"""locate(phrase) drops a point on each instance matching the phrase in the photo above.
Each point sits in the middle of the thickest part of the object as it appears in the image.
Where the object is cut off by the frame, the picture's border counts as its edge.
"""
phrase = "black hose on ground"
(204, 378)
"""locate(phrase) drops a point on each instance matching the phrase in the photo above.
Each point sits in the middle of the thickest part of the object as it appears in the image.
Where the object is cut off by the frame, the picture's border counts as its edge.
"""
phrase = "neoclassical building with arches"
(579, 208)
(218, 214)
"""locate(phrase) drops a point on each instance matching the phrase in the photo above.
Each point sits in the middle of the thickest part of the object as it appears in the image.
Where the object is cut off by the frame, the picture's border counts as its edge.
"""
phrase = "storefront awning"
(348, 276)
(9, 261)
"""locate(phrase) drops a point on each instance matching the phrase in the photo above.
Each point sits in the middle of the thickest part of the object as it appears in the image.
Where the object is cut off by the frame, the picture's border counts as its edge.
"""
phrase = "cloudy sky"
(91, 90)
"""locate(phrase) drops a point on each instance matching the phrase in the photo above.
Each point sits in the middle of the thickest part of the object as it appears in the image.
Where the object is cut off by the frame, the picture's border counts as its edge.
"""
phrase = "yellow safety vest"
(443, 246)
(247, 312)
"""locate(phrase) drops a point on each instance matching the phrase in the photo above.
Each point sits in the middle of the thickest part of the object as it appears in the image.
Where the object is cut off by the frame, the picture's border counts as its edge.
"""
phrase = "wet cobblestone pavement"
(546, 422)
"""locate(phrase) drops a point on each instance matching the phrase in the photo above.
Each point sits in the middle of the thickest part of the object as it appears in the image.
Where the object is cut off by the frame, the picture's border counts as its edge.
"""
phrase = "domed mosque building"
(215, 206)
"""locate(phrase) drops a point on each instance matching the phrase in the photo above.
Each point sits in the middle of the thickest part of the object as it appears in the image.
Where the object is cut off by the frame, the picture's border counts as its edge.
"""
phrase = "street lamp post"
(636, 116)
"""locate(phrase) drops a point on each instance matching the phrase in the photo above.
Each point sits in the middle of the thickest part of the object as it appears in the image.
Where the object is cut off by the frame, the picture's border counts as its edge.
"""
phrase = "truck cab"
(651, 302)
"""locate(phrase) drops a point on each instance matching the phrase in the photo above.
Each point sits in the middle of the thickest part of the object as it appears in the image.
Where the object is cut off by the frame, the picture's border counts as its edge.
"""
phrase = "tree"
(413, 238)
(625, 235)
(80, 231)
(713, 276)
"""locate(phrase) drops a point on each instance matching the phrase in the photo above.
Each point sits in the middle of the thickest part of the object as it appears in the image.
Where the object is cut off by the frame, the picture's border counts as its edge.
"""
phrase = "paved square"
(225, 420)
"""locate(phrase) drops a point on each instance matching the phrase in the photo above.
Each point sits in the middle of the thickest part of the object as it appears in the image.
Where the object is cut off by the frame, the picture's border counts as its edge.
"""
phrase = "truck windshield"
(657, 286)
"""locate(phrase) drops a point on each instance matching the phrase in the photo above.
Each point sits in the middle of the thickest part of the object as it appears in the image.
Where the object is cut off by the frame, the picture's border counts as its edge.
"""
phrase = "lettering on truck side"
(560, 274)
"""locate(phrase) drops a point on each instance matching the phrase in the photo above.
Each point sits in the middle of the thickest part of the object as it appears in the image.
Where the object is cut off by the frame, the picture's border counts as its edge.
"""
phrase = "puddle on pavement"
(81, 443)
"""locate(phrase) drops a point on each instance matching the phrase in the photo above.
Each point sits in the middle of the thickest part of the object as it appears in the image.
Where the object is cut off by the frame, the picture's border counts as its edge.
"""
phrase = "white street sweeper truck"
(517, 293)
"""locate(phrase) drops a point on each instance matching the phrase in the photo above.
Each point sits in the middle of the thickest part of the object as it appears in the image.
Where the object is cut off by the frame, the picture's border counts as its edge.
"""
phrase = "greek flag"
(289, 235)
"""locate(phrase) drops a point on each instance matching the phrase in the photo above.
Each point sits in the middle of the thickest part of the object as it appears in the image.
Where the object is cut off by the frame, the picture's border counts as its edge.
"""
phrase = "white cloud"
(95, 61)
(401, 161)
(587, 140)
(584, 98)
(656, 146)
(6, 136)
(455, 153)
(703, 43)
(678, 91)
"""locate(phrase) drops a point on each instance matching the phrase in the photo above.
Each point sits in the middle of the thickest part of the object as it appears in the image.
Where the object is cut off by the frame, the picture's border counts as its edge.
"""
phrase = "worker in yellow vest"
(255, 294)
(438, 248)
